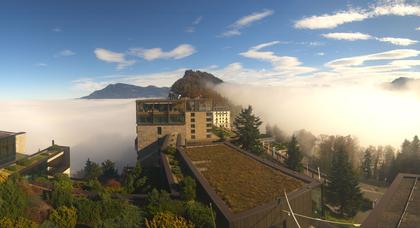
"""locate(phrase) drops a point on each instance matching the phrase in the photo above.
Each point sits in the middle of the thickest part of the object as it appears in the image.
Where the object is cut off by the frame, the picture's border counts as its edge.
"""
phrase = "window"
(159, 130)
(209, 119)
(209, 125)
(208, 136)
(192, 119)
(192, 131)
(192, 114)
(208, 130)
(192, 125)
(209, 114)
(192, 136)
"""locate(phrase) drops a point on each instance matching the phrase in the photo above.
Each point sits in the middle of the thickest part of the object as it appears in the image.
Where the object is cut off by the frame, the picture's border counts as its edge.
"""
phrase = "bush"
(23, 162)
(170, 150)
(13, 200)
(200, 215)
(61, 195)
(168, 220)
(20, 222)
(161, 202)
(188, 189)
(64, 217)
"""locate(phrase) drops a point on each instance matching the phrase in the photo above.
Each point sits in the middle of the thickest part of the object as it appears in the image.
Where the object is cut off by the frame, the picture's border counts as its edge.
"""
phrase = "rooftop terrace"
(240, 181)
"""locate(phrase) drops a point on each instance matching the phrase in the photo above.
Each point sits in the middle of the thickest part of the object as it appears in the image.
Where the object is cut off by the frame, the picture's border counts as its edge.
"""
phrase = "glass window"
(159, 130)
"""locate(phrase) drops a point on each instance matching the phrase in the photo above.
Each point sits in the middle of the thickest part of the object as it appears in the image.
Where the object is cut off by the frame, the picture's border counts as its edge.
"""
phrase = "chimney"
(53, 142)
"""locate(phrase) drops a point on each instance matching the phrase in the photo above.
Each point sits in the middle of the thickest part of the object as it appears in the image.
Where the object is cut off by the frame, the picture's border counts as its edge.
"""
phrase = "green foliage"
(247, 128)
(188, 188)
(200, 215)
(88, 212)
(367, 163)
(130, 217)
(23, 162)
(13, 200)
(61, 194)
(108, 171)
(170, 150)
(92, 170)
(168, 220)
(294, 155)
(343, 190)
(64, 217)
(221, 133)
(160, 201)
(19, 222)
(132, 179)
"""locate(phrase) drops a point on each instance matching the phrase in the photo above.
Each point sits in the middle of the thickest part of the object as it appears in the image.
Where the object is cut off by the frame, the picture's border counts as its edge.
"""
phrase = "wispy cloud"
(329, 21)
(350, 36)
(286, 65)
(113, 57)
(418, 28)
(57, 29)
(41, 64)
(66, 52)
(181, 51)
(234, 29)
(194, 24)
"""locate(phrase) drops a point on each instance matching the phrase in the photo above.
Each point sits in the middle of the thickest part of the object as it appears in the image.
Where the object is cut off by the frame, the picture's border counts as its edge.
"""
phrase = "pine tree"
(294, 155)
(415, 146)
(343, 190)
(367, 163)
(247, 128)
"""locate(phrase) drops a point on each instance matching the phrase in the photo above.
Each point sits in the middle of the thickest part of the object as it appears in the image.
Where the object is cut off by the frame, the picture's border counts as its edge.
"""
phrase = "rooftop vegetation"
(242, 182)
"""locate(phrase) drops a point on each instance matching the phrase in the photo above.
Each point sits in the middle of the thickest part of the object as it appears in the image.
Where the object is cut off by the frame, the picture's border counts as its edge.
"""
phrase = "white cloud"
(113, 57)
(347, 36)
(234, 29)
(320, 53)
(360, 60)
(286, 65)
(66, 52)
(398, 41)
(350, 36)
(57, 29)
(182, 51)
(198, 20)
(329, 21)
(418, 28)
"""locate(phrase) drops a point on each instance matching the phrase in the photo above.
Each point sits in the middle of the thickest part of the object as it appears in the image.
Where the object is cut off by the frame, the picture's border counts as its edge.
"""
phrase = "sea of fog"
(95, 129)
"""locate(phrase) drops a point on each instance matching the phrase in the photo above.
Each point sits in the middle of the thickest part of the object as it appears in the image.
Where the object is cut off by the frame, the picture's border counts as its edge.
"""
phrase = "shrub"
(19, 222)
(188, 189)
(23, 162)
(200, 215)
(168, 220)
(64, 217)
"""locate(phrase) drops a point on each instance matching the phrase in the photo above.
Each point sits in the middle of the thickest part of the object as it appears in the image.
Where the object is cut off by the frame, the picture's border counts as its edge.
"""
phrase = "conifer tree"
(294, 155)
(343, 190)
(367, 163)
(247, 128)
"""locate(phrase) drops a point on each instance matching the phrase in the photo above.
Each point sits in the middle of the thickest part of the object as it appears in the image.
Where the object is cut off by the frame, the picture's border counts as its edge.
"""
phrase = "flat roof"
(400, 204)
(4, 134)
(241, 181)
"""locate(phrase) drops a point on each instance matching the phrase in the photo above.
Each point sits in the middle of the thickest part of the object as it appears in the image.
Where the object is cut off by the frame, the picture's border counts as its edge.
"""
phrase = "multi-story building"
(10, 144)
(191, 119)
(221, 117)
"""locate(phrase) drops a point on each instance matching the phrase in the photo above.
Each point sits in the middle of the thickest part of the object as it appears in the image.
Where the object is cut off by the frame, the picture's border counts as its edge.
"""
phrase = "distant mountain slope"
(197, 84)
(400, 83)
(126, 91)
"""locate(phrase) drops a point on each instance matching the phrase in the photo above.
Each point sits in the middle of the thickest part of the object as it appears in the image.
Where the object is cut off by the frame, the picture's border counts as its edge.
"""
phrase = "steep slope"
(126, 91)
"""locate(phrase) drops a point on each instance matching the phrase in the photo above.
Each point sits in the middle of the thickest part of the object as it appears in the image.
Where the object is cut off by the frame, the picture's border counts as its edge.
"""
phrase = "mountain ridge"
(128, 91)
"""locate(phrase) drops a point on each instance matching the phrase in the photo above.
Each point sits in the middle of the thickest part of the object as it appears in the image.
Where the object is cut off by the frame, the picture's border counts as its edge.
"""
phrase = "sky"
(67, 49)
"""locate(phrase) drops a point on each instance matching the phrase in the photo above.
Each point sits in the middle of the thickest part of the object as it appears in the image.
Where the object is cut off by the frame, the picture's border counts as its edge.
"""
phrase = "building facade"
(221, 118)
(192, 119)
(10, 144)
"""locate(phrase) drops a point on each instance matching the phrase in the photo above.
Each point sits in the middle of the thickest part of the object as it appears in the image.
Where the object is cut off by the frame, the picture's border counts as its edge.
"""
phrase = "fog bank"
(95, 129)
(372, 114)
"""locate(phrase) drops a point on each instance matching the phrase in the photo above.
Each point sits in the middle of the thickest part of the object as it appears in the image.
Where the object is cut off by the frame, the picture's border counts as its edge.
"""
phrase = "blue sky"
(64, 49)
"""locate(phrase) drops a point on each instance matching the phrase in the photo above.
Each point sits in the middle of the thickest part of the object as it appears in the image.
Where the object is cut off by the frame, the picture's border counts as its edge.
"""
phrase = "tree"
(61, 195)
(13, 200)
(168, 220)
(306, 141)
(343, 190)
(294, 156)
(200, 215)
(367, 163)
(188, 188)
(130, 217)
(92, 170)
(406, 147)
(65, 217)
(160, 201)
(108, 171)
(415, 146)
(247, 128)
(133, 179)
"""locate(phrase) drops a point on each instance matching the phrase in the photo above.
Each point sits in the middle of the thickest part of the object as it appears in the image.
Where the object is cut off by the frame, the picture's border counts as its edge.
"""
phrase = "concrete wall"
(203, 122)
(148, 134)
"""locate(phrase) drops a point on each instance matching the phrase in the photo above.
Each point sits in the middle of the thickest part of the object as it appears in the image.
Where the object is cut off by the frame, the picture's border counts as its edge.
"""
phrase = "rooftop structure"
(400, 206)
(192, 119)
(247, 190)
(10, 144)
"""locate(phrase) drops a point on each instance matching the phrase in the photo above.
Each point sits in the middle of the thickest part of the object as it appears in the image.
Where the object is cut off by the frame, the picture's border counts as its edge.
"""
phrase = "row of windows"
(208, 136)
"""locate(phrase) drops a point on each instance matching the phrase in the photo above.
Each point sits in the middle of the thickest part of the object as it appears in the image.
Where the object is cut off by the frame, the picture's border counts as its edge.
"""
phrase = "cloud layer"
(182, 51)
(352, 36)
(235, 28)
(113, 57)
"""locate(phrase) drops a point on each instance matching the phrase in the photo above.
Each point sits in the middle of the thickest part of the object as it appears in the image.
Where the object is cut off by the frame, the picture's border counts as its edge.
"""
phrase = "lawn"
(242, 182)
